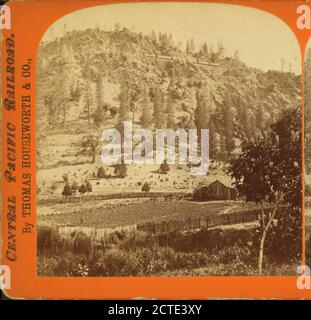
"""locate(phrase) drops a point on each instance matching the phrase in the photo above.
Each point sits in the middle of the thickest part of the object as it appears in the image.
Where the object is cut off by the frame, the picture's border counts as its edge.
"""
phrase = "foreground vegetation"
(203, 253)
(308, 251)
(308, 240)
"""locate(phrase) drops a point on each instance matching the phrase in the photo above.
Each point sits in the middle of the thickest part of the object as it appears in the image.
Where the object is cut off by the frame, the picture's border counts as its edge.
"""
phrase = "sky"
(262, 40)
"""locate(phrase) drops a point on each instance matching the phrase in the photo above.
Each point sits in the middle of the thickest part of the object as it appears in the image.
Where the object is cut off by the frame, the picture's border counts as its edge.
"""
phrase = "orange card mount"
(155, 149)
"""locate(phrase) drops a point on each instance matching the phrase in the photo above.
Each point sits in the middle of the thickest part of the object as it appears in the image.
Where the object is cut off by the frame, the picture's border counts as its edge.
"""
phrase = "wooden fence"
(94, 233)
(194, 223)
(206, 222)
(173, 225)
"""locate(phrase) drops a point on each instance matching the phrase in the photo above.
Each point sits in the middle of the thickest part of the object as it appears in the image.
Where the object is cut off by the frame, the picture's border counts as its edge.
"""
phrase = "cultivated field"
(116, 213)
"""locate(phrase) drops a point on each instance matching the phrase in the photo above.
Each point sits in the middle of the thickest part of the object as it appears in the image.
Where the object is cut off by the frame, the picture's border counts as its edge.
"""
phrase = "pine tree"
(99, 90)
(213, 140)
(98, 116)
(229, 122)
(205, 48)
(220, 51)
(236, 55)
(158, 109)
(65, 84)
(67, 191)
(125, 104)
(146, 117)
(191, 46)
(170, 111)
(187, 47)
(260, 119)
(88, 94)
(173, 79)
(201, 116)
(229, 130)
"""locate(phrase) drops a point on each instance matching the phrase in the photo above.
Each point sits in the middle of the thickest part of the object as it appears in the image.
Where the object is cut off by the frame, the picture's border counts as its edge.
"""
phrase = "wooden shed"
(215, 190)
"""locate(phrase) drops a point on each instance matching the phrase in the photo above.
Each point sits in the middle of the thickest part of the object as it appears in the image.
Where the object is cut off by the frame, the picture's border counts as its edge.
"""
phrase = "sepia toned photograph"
(169, 143)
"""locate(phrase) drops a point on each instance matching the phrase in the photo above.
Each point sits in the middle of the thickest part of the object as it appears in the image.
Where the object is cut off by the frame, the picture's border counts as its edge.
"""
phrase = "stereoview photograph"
(169, 143)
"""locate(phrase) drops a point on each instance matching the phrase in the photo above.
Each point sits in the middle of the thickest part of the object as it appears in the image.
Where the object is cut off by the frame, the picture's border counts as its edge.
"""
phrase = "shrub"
(49, 241)
(164, 167)
(80, 243)
(101, 173)
(120, 170)
(146, 187)
(88, 186)
(207, 252)
(74, 187)
(67, 191)
(66, 265)
(82, 189)
(283, 241)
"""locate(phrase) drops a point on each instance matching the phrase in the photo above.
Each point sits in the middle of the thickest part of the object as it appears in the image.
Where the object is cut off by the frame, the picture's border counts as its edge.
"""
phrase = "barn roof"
(226, 181)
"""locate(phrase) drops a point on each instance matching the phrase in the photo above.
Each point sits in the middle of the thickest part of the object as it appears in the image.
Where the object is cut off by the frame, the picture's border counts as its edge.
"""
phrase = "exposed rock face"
(86, 70)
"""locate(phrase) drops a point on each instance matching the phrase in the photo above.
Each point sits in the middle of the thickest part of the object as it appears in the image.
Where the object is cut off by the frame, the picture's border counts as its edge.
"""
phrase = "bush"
(120, 170)
(164, 167)
(67, 191)
(283, 241)
(82, 189)
(50, 242)
(101, 173)
(88, 186)
(74, 187)
(146, 187)
(80, 243)
(207, 252)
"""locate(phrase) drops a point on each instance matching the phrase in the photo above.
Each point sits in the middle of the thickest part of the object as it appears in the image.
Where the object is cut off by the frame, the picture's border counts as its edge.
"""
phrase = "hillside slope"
(85, 76)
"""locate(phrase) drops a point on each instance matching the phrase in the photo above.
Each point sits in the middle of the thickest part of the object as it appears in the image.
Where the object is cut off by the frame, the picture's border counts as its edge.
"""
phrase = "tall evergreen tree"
(201, 116)
(260, 119)
(158, 109)
(124, 111)
(99, 90)
(171, 112)
(229, 130)
(229, 122)
(146, 117)
(213, 140)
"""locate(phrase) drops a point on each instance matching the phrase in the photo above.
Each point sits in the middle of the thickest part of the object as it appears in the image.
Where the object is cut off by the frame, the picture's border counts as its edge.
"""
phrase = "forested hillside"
(89, 80)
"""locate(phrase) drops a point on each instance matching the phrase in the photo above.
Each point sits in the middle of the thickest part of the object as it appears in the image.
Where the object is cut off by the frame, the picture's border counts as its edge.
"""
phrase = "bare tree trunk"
(261, 250)
(265, 228)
